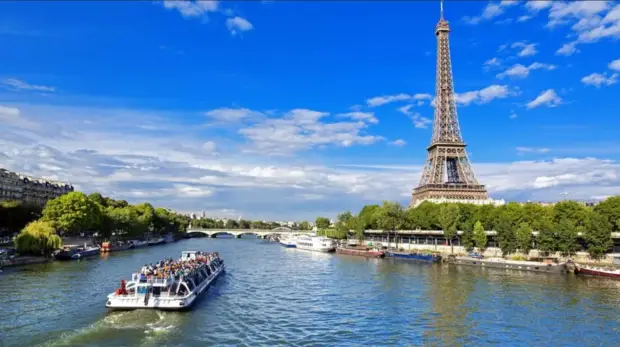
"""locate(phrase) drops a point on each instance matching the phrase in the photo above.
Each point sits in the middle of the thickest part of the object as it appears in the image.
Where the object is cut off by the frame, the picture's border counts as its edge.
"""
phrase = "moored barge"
(419, 256)
(597, 271)
(500, 263)
(168, 284)
(361, 251)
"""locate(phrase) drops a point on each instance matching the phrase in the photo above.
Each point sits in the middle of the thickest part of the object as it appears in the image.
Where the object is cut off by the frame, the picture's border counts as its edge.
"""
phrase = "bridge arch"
(282, 229)
(248, 233)
(199, 231)
(214, 235)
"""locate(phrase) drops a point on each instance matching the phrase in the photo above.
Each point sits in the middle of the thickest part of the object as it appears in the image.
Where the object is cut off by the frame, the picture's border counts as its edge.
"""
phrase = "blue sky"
(289, 110)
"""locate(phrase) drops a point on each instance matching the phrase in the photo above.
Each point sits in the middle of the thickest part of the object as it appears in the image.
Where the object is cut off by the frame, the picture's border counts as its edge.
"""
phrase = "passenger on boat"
(122, 290)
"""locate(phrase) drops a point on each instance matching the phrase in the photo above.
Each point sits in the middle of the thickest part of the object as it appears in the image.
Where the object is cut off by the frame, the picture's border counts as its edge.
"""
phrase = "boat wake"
(136, 328)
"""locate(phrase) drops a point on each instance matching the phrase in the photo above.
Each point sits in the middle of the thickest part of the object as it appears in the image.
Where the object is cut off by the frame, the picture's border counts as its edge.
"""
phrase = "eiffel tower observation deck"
(448, 175)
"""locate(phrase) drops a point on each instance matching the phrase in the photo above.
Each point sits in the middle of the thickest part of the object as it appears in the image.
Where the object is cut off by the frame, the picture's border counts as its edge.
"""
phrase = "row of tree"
(559, 226)
(76, 213)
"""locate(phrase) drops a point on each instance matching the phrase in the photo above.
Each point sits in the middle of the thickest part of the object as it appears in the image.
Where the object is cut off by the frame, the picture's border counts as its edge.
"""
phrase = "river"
(274, 296)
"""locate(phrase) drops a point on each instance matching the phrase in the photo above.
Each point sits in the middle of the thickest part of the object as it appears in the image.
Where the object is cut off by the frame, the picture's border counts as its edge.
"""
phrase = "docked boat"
(138, 243)
(169, 284)
(156, 242)
(288, 240)
(501, 263)
(361, 251)
(315, 243)
(597, 271)
(107, 246)
(75, 253)
(419, 256)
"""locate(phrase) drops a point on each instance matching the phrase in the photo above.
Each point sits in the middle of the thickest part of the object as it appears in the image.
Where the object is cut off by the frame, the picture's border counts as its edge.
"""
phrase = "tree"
(449, 216)
(524, 238)
(304, 225)
(72, 213)
(506, 236)
(390, 216)
(38, 238)
(343, 224)
(480, 237)
(566, 233)
(356, 224)
(98, 199)
(598, 235)
(467, 239)
(610, 209)
(547, 238)
(322, 223)
(231, 224)
(368, 216)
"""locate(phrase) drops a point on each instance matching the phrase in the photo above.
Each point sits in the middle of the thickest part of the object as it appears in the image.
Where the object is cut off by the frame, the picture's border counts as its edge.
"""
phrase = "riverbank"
(25, 260)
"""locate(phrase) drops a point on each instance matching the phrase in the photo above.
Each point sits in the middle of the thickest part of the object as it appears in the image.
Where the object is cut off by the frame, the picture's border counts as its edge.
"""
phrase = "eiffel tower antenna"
(441, 9)
(448, 175)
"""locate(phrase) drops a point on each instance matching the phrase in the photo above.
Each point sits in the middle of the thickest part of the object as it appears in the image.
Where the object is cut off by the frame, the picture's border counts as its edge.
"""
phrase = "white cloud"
(513, 115)
(567, 49)
(225, 114)
(537, 5)
(615, 65)
(597, 79)
(16, 84)
(386, 99)
(491, 63)
(524, 150)
(362, 116)
(418, 120)
(548, 98)
(490, 11)
(113, 153)
(484, 95)
(398, 143)
(521, 71)
(302, 129)
(191, 8)
(508, 3)
(238, 24)
(527, 49)
(524, 18)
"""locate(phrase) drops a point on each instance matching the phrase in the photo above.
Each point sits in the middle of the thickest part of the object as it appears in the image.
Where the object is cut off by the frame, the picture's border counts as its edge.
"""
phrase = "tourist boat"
(108, 246)
(289, 241)
(597, 271)
(361, 251)
(500, 263)
(138, 243)
(419, 256)
(315, 243)
(195, 272)
(75, 253)
(156, 242)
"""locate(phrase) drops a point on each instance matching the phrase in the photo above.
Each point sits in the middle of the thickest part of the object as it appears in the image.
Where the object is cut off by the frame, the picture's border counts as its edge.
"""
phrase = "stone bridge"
(260, 233)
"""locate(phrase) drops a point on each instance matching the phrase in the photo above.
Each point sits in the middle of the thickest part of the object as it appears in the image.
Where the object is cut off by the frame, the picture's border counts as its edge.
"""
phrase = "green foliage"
(322, 223)
(449, 216)
(368, 216)
(598, 235)
(506, 236)
(390, 216)
(610, 209)
(343, 223)
(524, 238)
(72, 213)
(467, 239)
(332, 233)
(480, 236)
(304, 225)
(566, 233)
(38, 238)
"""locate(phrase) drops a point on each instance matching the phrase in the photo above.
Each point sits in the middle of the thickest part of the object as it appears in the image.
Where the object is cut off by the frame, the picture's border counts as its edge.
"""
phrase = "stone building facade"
(30, 190)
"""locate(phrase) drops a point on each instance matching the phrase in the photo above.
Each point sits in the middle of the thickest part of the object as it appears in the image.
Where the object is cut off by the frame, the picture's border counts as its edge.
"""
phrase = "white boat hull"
(174, 303)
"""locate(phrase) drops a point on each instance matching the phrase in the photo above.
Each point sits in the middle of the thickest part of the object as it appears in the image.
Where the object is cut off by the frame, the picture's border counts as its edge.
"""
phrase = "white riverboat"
(289, 240)
(169, 284)
(315, 243)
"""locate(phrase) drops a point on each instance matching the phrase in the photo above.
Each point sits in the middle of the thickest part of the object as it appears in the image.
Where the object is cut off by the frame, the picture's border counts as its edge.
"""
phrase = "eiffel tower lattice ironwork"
(447, 172)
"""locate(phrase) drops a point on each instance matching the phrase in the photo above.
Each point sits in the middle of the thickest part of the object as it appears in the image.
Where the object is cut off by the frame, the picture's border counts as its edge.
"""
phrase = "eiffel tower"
(447, 174)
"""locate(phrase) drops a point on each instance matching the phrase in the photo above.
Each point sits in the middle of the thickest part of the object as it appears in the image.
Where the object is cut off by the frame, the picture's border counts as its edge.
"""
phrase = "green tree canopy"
(38, 238)
(390, 216)
(524, 238)
(72, 213)
(449, 216)
(598, 235)
(480, 236)
(322, 223)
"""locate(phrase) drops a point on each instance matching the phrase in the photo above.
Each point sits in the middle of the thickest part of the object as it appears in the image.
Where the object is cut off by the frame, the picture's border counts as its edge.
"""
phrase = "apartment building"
(30, 190)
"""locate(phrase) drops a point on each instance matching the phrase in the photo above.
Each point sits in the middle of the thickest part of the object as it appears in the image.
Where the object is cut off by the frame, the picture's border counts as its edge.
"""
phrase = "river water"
(274, 296)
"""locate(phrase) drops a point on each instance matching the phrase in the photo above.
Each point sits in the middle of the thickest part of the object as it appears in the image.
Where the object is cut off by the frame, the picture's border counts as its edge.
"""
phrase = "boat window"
(190, 285)
(156, 291)
(208, 271)
(183, 290)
